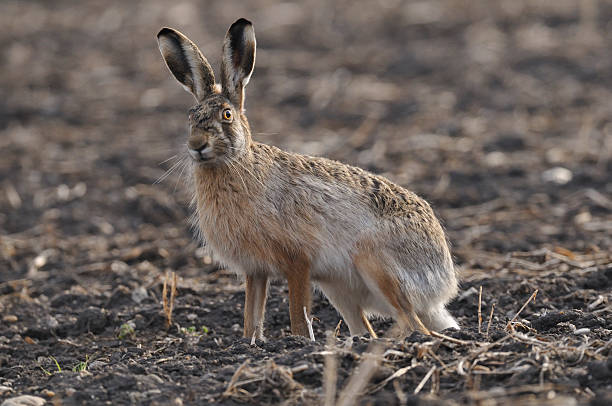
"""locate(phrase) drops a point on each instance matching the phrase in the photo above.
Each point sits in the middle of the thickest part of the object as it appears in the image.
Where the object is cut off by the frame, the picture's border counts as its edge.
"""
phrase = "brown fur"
(298, 279)
(367, 261)
(255, 304)
(371, 245)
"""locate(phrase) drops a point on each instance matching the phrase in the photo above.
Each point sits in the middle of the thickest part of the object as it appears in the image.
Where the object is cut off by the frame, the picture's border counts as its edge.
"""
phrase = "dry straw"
(168, 302)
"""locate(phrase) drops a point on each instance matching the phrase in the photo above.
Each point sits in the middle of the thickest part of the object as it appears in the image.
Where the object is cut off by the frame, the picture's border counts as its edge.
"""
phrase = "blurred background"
(497, 112)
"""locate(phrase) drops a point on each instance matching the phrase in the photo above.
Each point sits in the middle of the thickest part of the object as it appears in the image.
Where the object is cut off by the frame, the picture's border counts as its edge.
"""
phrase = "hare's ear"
(186, 63)
(238, 60)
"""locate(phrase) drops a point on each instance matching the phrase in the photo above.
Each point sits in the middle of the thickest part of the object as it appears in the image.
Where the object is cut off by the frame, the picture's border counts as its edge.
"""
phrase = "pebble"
(16, 338)
(51, 322)
(495, 158)
(48, 393)
(557, 175)
(97, 364)
(10, 318)
(156, 378)
(139, 294)
(471, 291)
(583, 217)
(24, 400)
(40, 261)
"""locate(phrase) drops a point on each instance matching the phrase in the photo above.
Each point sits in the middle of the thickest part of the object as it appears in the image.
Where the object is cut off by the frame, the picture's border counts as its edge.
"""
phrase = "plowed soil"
(497, 112)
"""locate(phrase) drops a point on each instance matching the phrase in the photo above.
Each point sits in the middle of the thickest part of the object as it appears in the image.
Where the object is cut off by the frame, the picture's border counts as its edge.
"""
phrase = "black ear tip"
(241, 22)
(165, 31)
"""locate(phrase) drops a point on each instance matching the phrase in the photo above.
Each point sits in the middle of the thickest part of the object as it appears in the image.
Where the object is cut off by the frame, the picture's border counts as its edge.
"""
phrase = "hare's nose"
(200, 151)
(201, 148)
(197, 144)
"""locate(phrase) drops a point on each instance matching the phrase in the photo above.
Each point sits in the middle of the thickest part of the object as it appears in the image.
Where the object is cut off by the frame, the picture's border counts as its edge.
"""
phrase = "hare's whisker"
(238, 173)
(167, 173)
(184, 163)
(169, 159)
(250, 172)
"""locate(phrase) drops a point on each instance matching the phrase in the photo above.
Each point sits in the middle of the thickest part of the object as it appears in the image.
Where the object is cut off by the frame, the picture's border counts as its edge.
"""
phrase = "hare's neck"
(237, 180)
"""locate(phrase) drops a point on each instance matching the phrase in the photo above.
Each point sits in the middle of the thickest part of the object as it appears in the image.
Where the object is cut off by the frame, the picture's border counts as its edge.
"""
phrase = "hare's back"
(346, 204)
(344, 184)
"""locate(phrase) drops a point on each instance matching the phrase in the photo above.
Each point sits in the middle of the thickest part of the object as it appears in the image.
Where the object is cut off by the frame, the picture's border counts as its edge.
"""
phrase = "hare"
(371, 246)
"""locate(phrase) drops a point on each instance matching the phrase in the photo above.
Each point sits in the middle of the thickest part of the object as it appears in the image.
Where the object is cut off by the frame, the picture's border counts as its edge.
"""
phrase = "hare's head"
(218, 129)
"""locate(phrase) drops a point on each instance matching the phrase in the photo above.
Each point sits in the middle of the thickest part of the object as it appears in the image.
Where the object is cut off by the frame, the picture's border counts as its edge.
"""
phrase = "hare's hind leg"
(348, 304)
(256, 293)
(382, 283)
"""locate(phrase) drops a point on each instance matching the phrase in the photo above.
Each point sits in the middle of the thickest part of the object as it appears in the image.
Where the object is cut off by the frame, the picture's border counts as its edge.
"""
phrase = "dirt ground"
(497, 112)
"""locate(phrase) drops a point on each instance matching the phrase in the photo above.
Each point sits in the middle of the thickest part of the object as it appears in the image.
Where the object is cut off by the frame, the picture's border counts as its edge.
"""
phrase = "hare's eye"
(227, 114)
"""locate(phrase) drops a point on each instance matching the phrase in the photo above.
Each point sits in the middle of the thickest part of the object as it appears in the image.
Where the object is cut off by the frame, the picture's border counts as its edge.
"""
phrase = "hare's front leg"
(298, 279)
(256, 293)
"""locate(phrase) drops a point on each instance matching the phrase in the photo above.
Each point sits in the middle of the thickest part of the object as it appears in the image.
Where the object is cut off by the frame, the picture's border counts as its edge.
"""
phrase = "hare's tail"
(437, 318)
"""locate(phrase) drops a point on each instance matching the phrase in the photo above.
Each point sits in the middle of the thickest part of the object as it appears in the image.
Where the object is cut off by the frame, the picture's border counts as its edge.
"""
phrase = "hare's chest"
(234, 235)
(224, 228)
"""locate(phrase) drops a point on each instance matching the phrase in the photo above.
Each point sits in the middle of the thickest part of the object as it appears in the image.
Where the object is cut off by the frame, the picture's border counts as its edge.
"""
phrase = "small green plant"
(126, 330)
(193, 330)
(81, 366)
(49, 373)
(59, 369)
(46, 371)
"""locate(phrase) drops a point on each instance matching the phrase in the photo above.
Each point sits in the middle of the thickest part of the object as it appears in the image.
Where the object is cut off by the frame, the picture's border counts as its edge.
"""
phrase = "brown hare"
(371, 246)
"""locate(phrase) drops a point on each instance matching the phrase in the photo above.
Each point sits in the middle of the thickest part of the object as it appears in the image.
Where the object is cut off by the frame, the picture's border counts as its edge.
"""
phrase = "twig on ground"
(168, 303)
(475, 354)
(401, 396)
(532, 297)
(330, 373)
(424, 380)
(360, 378)
(337, 329)
(502, 392)
(433, 355)
(309, 324)
(546, 366)
(451, 339)
(604, 310)
(268, 376)
(393, 376)
(604, 347)
(480, 310)
(435, 382)
(596, 302)
(490, 319)
(231, 385)
(460, 370)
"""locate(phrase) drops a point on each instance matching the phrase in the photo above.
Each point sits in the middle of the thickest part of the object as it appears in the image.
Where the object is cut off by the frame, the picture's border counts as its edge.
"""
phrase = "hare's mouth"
(202, 154)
